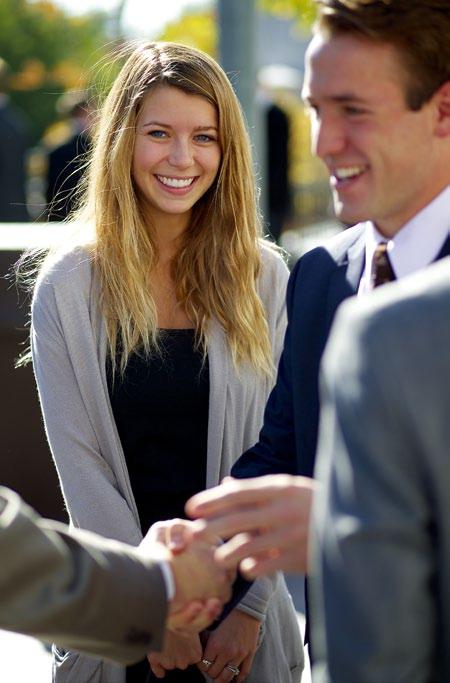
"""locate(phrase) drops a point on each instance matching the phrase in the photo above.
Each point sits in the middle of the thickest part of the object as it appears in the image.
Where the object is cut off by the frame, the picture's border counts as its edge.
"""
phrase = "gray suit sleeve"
(85, 592)
(373, 612)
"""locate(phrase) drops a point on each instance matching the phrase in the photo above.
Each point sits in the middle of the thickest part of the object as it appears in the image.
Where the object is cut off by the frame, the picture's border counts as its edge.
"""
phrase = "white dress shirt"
(416, 244)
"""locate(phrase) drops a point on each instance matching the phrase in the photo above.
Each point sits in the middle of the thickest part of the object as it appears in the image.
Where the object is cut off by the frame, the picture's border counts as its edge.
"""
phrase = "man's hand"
(272, 511)
(202, 586)
(197, 575)
(175, 533)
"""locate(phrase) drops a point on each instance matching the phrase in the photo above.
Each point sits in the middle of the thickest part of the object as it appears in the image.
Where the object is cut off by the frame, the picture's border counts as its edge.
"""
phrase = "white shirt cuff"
(168, 577)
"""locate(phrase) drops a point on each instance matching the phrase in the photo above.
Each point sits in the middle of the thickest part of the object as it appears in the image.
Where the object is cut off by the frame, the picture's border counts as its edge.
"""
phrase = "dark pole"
(116, 19)
(237, 51)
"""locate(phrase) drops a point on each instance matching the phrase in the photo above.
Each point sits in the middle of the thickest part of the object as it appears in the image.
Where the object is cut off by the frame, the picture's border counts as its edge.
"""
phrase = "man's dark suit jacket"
(320, 281)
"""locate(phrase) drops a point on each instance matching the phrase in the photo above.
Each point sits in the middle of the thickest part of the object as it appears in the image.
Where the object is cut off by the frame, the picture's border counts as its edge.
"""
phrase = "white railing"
(20, 236)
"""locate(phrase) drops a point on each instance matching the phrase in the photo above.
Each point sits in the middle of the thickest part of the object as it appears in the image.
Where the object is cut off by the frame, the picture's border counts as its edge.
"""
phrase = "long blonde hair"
(216, 269)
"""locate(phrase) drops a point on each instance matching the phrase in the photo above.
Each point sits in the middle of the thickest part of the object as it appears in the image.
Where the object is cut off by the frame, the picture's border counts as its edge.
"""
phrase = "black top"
(160, 406)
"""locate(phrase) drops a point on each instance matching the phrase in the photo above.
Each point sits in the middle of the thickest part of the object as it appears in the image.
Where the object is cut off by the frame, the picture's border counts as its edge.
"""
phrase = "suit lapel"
(344, 281)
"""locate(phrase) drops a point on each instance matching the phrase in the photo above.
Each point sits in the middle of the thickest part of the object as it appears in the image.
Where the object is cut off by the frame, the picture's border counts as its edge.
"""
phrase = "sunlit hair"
(217, 266)
(418, 29)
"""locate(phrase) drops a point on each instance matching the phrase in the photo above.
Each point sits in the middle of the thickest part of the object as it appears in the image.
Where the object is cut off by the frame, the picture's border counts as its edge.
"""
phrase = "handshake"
(201, 585)
(266, 521)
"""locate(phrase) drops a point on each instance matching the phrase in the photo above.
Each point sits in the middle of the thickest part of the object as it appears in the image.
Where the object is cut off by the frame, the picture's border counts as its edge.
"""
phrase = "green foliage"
(48, 52)
(197, 29)
(301, 10)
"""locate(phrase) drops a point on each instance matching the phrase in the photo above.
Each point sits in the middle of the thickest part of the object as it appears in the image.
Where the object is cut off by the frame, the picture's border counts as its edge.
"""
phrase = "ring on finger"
(207, 663)
(234, 669)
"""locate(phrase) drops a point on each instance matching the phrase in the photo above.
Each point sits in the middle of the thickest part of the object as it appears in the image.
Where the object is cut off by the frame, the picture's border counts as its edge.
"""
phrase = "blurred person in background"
(276, 130)
(154, 341)
(278, 191)
(65, 161)
(13, 144)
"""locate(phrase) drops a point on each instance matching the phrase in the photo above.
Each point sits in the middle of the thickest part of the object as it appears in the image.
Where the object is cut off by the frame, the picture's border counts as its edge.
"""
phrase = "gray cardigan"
(68, 341)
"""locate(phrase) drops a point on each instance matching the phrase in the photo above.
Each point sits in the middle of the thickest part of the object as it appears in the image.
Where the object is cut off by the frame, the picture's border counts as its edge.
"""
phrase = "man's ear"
(443, 109)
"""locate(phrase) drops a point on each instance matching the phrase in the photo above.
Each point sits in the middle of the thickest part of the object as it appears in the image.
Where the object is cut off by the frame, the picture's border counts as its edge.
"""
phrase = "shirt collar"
(419, 241)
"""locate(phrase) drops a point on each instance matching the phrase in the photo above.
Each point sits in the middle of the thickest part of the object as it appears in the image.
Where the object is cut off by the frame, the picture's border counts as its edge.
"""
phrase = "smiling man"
(377, 83)
(377, 132)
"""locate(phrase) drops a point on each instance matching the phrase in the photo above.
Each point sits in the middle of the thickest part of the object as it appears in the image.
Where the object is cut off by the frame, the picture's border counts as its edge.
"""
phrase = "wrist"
(163, 557)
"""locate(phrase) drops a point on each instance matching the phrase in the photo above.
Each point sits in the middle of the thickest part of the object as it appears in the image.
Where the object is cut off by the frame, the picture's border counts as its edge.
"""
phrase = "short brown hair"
(418, 29)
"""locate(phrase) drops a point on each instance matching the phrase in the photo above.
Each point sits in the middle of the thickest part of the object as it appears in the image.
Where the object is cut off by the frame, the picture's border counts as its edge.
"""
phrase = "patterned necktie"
(382, 271)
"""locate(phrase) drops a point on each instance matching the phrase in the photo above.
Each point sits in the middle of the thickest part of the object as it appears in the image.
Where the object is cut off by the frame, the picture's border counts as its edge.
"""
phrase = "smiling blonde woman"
(154, 341)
